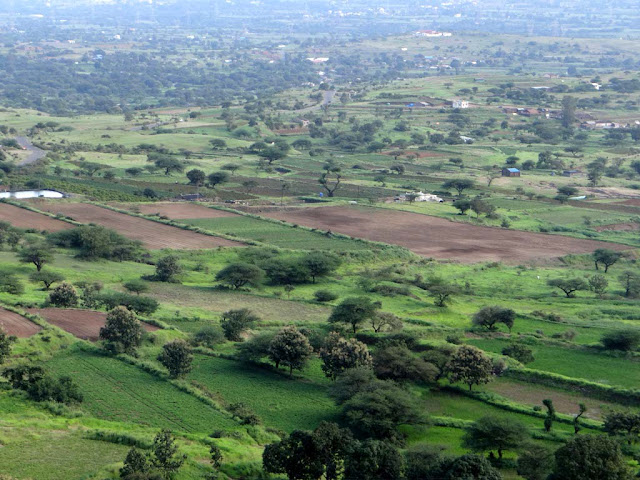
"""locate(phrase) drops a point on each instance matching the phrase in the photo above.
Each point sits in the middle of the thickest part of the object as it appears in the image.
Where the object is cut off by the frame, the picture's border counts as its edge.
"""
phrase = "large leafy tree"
(374, 460)
(605, 257)
(471, 366)
(290, 348)
(164, 454)
(235, 322)
(122, 332)
(176, 356)
(378, 412)
(354, 311)
(237, 275)
(489, 317)
(37, 253)
(295, 456)
(495, 433)
(591, 457)
(319, 264)
(339, 354)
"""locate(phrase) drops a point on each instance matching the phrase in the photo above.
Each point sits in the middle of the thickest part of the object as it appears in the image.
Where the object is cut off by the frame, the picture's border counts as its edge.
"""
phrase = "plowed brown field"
(84, 324)
(438, 237)
(152, 234)
(17, 325)
(22, 218)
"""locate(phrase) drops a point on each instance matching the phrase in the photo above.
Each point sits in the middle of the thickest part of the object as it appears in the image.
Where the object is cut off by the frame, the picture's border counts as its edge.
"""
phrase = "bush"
(324, 296)
(11, 284)
(289, 271)
(519, 352)
(209, 336)
(625, 340)
(64, 295)
(136, 303)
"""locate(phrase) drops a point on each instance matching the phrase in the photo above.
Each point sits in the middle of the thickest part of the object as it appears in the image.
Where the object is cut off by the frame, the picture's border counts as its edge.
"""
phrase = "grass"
(574, 362)
(54, 454)
(116, 391)
(281, 402)
(278, 235)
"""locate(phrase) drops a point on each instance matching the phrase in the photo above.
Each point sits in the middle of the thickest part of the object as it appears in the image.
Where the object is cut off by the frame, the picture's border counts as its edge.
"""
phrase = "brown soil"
(177, 211)
(152, 234)
(17, 325)
(84, 324)
(632, 201)
(22, 218)
(438, 237)
(621, 227)
(565, 402)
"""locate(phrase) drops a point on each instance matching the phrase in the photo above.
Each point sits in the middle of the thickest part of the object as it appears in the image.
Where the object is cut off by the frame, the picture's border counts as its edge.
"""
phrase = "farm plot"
(439, 238)
(178, 211)
(114, 390)
(281, 402)
(272, 233)
(22, 218)
(84, 324)
(17, 325)
(152, 234)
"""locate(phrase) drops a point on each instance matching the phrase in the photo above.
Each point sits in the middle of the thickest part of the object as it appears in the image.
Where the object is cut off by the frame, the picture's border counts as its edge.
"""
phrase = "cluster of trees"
(42, 387)
(602, 257)
(94, 242)
(333, 453)
(279, 271)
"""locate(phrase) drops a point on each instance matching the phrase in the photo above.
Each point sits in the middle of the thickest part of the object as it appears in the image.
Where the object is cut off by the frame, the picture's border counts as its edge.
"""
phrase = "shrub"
(136, 303)
(11, 284)
(235, 322)
(324, 296)
(209, 336)
(519, 352)
(625, 340)
(64, 295)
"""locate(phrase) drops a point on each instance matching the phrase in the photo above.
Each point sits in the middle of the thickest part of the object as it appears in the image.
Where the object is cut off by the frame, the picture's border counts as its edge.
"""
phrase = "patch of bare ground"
(440, 238)
(565, 402)
(84, 324)
(152, 234)
(23, 218)
(17, 325)
(619, 227)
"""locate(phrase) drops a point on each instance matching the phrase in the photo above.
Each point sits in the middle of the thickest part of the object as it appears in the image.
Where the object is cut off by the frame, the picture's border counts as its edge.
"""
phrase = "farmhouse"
(571, 173)
(460, 103)
(432, 33)
(418, 197)
(510, 172)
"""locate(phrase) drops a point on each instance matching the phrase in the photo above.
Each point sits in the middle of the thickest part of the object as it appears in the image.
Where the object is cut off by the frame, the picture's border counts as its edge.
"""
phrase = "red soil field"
(621, 227)
(152, 234)
(177, 211)
(440, 238)
(22, 218)
(84, 324)
(17, 325)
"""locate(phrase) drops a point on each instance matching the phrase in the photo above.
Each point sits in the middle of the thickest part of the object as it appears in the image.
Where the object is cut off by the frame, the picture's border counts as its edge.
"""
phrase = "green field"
(279, 401)
(117, 391)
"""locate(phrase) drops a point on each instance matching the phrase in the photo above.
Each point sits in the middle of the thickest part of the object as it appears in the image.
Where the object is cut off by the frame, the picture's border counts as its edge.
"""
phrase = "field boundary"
(624, 396)
(182, 226)
(381, 245)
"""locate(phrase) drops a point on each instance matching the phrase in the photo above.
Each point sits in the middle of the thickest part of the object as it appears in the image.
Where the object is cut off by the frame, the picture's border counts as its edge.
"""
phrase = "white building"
(460, 104)
(419, 197)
